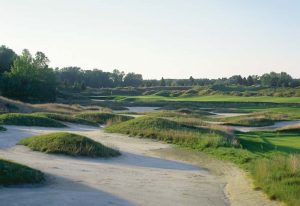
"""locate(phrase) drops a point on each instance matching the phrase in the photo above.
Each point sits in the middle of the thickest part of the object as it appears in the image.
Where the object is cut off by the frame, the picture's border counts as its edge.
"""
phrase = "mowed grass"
(28, 120)
(68, 144)
(211, 98)
(172, 132)
(102, 117)
(14, 174)
(66, 118)
(270, 141)
(276, 169)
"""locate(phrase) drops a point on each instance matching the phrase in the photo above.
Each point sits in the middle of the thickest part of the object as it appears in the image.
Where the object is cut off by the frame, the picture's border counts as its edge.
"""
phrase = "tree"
(162, 82)
(132, 79)
(7, 57)
(250, 81)
(30, 79)
(117, 77)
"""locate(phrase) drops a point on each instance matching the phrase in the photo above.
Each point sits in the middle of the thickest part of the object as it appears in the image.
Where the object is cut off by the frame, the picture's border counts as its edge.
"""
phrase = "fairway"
(212, 98)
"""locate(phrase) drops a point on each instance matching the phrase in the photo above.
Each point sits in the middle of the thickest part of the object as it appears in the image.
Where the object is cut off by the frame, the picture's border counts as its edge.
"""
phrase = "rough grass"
(279, 177)
(172, 132)
(102, 117)
(65, 118)
(68, 144)
(255, 119)
(13, 174)
(28, 120)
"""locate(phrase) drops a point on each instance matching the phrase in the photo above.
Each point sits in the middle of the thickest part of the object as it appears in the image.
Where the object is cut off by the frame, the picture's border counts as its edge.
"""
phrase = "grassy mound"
(69, 144)
(65, 118)
(13, 173)
(28, 120)
(255, 119)
(171, 132)
(103, 117)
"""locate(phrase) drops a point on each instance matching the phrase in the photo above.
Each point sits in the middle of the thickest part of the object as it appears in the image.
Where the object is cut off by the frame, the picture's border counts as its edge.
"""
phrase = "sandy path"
(135, 178)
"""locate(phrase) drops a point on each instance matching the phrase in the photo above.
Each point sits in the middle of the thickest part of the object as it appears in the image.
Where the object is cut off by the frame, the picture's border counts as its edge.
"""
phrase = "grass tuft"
(28, 120)
(13, 173)
(69, 144)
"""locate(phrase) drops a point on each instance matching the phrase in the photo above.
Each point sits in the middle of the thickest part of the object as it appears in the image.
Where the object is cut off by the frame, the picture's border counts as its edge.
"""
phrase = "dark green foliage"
(69, 144)
(13, 174)
(102, 117)
(30, 79)
(7, 57)
(28, 120)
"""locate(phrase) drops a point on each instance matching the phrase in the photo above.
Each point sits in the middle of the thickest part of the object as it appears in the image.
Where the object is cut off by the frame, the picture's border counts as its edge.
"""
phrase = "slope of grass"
(172, 132)
(279, 177)
(255, 119)
(69, 144)
(13, 173)
(28, 120)
(102, 117)
(65, 118)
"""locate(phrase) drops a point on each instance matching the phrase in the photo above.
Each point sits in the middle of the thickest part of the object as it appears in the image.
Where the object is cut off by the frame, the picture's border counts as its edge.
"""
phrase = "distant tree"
(250, 80)
(117, 77)
(162, 82)
(132, 79)
(192, 80)
(70, 75)
(7, 57)
(274, 79)
(30, 79)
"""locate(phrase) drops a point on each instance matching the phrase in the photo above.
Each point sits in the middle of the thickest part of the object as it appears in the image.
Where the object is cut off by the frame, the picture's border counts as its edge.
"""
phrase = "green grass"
(172, 132)
(68, 144)
(13, 174)
(279, 177)
(250, 152)
(254, 119)
(265, 142)
(66, 118)
(102, 117)
(211, 98)
(28, 120)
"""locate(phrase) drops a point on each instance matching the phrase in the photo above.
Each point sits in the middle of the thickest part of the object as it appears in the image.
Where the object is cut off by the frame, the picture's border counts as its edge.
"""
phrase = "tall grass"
(279, 177)
(172, 132)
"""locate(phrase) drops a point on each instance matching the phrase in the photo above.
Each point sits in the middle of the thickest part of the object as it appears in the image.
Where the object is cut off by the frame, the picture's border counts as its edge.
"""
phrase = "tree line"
(28, 77)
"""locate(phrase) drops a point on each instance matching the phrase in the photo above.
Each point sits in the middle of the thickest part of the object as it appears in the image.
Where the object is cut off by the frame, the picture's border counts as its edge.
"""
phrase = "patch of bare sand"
(135, 178)
(238, 188)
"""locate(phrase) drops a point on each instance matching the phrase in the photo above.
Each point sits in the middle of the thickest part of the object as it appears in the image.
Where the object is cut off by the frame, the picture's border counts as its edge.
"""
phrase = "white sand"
(138, 177)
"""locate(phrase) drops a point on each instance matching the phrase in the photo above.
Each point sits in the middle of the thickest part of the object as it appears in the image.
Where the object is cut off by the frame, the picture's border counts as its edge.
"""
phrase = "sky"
(159, 38)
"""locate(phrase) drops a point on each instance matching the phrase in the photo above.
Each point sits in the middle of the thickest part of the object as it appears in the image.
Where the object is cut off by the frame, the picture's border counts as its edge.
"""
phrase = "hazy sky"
(169, 38)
